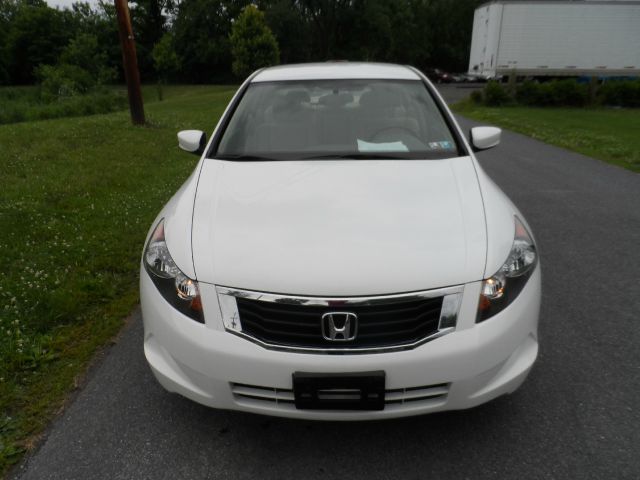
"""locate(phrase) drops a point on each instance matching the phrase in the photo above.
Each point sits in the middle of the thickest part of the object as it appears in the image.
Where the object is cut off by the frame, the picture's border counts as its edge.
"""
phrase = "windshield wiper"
(336, 156)
(356, 156)
(252, 158)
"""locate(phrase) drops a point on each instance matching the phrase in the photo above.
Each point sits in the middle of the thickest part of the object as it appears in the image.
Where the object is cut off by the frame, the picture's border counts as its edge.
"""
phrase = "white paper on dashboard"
(381, 147)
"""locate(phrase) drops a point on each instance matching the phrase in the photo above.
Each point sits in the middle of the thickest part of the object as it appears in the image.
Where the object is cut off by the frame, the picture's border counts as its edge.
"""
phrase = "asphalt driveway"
(577, 416)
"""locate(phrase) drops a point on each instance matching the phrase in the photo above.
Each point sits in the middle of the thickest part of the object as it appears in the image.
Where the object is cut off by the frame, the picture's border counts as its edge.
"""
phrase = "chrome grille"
(378, 325)
(382, 323)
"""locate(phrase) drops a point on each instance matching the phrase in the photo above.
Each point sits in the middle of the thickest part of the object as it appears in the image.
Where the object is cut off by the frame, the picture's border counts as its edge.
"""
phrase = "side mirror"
(485, 137)
(192, 141)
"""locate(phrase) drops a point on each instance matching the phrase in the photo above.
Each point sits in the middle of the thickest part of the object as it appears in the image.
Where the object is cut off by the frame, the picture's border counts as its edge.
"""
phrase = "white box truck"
(555, 38)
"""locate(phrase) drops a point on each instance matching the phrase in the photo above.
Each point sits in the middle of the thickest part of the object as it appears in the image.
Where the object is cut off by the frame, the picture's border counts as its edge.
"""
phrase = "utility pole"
(130, 62)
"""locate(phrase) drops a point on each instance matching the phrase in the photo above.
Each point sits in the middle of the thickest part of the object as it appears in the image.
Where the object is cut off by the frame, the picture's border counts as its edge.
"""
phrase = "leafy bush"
(621, 93)
(14, 102)
(4, 75)
(65, 90)
(26, 104)
(84, 52)
(23, 94)
(529, 93)
(569, 93)
(64, 81)
(81, 68)
(557, 93)
(476, 97)
(495, 95)
(11, 114)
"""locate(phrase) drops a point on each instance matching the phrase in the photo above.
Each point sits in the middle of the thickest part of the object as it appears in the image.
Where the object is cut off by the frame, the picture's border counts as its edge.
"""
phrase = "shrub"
(529, 93)
(64, 81)
(569, 93)
(495, 95)
(20, 109)
(476, 97)
(14, 101)
(620, 93)
(4, 75)
(11, 114)
(556, 93)
(82, 105)
(23, 94)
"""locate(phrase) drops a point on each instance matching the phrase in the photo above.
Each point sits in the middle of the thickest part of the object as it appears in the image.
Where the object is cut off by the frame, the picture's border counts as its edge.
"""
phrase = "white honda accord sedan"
(339, 254)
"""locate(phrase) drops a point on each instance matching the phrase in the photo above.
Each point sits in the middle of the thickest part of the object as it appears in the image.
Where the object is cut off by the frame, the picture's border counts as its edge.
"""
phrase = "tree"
(253, 45)
(326, 18)
(290, 27)
(199, 35)
(7, 12)
(36, 36)
(104, 25)
(450, 25)
(165, 60)
(148, 23)
(84, 52)
(201, 30)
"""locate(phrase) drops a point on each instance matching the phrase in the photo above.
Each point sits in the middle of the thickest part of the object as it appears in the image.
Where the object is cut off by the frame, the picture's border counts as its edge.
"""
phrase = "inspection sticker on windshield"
(443, 145)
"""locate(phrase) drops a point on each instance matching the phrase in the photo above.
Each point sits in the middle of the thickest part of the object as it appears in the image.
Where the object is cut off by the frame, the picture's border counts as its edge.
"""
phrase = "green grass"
(612, 135)
(78, 195)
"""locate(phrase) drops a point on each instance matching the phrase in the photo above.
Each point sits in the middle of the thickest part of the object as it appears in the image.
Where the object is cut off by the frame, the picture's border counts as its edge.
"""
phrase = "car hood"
(339, 227)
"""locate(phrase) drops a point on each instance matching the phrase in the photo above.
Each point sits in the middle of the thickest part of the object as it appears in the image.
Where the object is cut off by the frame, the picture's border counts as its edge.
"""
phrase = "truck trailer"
(556, 38)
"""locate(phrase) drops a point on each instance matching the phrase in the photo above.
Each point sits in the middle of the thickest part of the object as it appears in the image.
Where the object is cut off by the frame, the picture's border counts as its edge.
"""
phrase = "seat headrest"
(298, 96)
(291, 102)
(380, 99)
(336, 100)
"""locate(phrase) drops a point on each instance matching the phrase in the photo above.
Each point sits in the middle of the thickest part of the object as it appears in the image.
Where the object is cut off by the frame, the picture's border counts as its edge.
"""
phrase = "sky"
(67, 3)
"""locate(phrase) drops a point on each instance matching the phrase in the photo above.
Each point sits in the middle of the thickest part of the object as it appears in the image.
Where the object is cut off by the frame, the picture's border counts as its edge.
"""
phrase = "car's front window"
(337, 119)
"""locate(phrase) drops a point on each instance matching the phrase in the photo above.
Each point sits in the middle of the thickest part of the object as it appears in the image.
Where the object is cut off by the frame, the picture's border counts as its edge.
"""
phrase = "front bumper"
(474, 364)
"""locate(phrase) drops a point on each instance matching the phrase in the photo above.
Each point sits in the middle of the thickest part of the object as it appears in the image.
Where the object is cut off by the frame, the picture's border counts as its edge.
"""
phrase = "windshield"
(290, 120)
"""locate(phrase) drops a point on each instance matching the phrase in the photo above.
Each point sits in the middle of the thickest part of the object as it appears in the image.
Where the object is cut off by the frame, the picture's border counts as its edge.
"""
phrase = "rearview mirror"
(192, 141)
(485, 137)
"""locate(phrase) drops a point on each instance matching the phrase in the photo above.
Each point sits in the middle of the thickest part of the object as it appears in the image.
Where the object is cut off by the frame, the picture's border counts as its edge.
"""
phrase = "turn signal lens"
(484, 304)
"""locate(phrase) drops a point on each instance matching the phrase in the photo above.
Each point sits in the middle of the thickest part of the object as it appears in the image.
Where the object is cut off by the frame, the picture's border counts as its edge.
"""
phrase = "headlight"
(503, 287)
(177, 289)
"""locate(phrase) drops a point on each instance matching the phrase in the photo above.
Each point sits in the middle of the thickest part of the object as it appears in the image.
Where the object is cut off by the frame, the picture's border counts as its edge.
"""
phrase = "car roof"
(336, 70)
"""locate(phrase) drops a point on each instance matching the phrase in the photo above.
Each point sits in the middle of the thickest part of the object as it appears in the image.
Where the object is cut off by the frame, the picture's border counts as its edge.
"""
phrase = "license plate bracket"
(339, 391)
